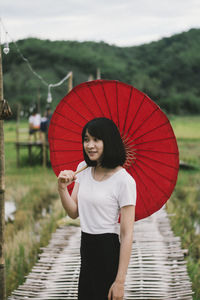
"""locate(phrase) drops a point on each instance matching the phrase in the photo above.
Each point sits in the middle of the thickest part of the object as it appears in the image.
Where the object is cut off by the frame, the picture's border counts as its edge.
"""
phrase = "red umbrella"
(152, 151)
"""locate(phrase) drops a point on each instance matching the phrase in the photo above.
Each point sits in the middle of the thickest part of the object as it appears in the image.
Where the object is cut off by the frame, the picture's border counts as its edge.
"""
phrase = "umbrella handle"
(83, 168)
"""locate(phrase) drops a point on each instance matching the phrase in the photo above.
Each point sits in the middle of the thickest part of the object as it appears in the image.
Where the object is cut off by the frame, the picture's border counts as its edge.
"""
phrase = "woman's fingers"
(66, 176)
(110, 294)
(115, 292)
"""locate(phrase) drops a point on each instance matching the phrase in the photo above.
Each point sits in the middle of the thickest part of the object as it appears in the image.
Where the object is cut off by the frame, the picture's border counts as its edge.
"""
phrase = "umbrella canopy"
(152, 152)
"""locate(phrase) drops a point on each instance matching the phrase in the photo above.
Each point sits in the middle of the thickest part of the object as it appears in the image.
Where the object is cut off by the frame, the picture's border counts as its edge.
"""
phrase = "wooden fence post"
(17, 134)
(70, 82)
(98, 73)
(90, 78)
(44, 153)
(2, 195)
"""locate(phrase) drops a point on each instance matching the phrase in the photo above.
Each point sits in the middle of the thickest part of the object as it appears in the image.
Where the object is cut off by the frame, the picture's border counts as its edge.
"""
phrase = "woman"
(100, 193)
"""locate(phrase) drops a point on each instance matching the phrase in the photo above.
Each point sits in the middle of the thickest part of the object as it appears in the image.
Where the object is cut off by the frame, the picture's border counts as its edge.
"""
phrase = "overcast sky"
(119, 22)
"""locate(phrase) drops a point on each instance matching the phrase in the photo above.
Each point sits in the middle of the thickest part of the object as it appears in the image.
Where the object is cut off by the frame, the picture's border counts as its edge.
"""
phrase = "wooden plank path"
(157, 269)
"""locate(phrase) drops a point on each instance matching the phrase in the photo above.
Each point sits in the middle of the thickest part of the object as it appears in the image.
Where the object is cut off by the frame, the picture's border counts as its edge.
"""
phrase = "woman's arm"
(70, 203)
(126, 236)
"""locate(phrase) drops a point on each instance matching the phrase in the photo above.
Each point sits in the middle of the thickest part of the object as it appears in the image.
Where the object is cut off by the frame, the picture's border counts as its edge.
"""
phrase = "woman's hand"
(116, 291)
(65, 178)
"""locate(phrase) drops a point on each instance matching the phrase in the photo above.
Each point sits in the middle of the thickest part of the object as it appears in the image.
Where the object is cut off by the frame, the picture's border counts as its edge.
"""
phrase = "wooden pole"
(38, 101)
(44, 154)
(90, 78)
(70, 82)
(2, 195)
(17, 133)
(98, 73)
(17, 124)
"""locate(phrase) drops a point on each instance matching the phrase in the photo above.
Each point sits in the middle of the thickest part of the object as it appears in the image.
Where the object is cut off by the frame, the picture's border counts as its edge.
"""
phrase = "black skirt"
(99, 265)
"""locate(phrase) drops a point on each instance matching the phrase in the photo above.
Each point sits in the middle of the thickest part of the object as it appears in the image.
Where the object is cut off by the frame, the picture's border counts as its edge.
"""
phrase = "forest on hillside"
(168, 70)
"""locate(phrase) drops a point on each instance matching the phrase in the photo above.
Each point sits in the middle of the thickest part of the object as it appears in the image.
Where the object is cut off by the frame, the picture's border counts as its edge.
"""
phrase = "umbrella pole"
(2, 193)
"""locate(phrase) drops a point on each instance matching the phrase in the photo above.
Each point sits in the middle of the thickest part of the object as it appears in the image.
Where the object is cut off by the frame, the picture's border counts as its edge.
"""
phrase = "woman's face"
(93, 147)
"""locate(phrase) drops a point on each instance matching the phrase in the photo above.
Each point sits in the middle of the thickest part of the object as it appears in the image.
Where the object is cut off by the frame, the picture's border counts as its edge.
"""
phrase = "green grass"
(11, 128)
(186, 127)
(187, 132)
(33, 189)
(185, 201)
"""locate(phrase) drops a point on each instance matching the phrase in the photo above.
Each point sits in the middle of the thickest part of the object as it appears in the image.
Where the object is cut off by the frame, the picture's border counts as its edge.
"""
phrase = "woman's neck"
(100, 173)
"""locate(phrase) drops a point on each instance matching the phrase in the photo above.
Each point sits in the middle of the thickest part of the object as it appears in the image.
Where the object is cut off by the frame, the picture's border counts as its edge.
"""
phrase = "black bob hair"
(114, 152)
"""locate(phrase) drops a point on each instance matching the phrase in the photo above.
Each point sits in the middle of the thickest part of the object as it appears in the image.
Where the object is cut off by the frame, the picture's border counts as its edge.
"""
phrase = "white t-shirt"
(99, 202)
(35, 120)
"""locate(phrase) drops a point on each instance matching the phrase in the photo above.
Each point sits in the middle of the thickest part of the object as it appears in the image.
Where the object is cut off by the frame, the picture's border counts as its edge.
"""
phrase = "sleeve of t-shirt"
(30, 119)
(79, 175)
(127, 192)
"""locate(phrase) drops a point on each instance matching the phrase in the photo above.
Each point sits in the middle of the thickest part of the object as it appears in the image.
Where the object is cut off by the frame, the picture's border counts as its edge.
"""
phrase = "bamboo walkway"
(157, 269)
